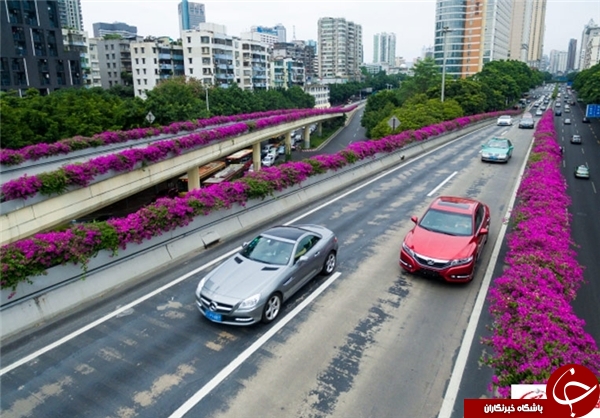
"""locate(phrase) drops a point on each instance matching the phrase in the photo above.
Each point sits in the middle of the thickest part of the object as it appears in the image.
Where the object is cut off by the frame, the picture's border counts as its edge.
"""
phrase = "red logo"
(573, 391)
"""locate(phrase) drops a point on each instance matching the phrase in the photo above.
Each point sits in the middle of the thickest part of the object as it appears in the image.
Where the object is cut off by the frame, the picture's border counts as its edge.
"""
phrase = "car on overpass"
(447, 241)
(251, 285)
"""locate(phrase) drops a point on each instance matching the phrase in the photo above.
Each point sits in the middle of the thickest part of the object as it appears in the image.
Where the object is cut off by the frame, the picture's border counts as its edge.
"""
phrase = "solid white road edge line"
(465, 346)
(118, 311)
(244, 355)
(439, 186)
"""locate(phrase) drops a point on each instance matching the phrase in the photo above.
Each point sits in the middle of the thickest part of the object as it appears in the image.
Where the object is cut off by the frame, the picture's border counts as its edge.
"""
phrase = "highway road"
(370, 341)
(585, 209)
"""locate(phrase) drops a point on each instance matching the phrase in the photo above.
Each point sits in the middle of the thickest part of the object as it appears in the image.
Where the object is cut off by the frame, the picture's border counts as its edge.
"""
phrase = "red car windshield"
(448, 223)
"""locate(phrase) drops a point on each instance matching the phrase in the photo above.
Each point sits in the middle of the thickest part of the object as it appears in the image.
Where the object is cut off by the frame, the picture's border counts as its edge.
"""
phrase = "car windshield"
(268, 250)
(497, 144)
(448, 223)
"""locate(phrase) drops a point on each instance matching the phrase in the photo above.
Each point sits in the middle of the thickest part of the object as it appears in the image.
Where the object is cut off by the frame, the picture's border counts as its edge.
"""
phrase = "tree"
(177, 99)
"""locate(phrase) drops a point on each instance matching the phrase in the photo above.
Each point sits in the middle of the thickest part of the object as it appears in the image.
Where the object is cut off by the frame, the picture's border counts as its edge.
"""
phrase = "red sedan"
(447, 240)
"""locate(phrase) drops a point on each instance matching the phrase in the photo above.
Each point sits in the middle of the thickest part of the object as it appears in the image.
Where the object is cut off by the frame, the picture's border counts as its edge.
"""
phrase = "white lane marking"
(564, 164)
(594, 187)
(439, 186)
(113, 314)
(582, 151)
(467, 342)
(244, 355)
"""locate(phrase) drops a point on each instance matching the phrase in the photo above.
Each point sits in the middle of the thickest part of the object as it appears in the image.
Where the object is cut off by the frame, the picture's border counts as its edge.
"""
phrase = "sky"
(411, 20)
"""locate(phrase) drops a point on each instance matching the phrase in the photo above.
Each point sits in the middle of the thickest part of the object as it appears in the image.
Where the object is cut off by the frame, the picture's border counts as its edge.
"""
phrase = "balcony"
(223, 56)
(164, 56)
(165, 66)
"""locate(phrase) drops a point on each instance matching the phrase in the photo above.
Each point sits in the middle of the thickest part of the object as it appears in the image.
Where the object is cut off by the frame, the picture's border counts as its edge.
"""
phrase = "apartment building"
(77, 41)
(527, 29)
(298, 50)
(208, 54)
(32, 53)
(384, 48)
(154, 60)
(114, 59)
(592, 51)
(268, 35)
(589, 31)
(470, 33)
(124, 30)
(340, 51)
(321, 94)
(94, 75)
(253, 62)
(286, 72)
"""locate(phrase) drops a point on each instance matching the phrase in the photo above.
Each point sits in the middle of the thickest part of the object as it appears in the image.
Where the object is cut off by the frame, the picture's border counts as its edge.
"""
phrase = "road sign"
(394, 122)
(150, 117)
(593, 111)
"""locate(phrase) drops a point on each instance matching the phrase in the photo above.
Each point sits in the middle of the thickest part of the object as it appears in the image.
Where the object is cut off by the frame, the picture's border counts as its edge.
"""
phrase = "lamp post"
(445, 30)
(206, 91)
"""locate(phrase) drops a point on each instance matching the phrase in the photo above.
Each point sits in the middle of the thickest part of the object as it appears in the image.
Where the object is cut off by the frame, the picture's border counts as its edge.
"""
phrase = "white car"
(269, 160)
(576, 139)
(505, 120)
(567, 121)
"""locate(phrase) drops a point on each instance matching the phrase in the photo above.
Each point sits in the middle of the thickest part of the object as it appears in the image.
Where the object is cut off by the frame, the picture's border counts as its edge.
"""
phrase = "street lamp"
(206, 91)
(445, 30)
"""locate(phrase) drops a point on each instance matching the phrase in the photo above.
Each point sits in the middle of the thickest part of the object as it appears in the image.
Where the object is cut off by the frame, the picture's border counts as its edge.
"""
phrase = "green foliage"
(54, 182)
(587, 84)
(258, 188)
(84, 112)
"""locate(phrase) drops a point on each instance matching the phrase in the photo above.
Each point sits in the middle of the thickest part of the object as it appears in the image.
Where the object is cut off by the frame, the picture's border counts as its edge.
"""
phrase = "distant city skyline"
(412, 22)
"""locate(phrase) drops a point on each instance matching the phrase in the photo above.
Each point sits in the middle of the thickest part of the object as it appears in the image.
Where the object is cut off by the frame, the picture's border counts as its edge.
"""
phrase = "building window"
(189, 50)
(145, 81)
(137, 60)
(113, 56)
(190, 60)
(189, 39)
(142, 50)
(139, 81)
(143, 60)
(153, 50)
(135, 50)
(191, 71)
(112, 47)
(155, 61)
(144, 71)
(107, 56)
(204, 40)
(137, 70)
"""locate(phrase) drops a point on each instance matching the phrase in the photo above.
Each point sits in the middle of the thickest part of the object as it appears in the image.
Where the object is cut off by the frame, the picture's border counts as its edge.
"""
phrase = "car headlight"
(461, 261)
(408, 250)
(250, 302)
(201, 285)
(485, 154)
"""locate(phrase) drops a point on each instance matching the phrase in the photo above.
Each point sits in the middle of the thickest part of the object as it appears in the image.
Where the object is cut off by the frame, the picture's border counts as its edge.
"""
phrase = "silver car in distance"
(252, 285)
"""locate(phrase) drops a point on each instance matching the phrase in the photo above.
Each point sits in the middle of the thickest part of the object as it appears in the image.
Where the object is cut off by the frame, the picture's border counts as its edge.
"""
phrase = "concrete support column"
(256, 156)
(320, 128)
(193, 178)
(288, 143)
(307, 136)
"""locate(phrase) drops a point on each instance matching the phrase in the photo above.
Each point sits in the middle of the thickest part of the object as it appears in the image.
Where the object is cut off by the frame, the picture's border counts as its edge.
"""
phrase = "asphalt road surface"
(369, 342)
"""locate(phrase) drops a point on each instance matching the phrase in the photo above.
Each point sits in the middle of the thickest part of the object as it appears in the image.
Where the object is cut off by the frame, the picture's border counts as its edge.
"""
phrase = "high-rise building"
(116, 28)
(32, 53)
(281, 32)
(571, 53)
(558, 62)
(527, 31)
(589, 31)
(470, 33)
(384, 48)
(340, 50)
(297, 50)
(69, 12)
(190, 15)
(592, 51)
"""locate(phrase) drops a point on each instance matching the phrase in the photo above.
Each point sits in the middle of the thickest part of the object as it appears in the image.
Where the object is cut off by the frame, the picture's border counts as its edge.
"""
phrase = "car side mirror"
(414, 219)
(244, 245)
(483, 231)
(303, 259)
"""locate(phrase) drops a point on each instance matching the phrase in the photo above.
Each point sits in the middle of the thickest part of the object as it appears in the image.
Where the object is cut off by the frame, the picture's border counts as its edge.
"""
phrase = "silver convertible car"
(252, 285)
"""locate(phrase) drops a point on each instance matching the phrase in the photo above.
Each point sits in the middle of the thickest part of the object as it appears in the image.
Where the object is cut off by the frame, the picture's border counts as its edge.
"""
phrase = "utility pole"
(445, 30)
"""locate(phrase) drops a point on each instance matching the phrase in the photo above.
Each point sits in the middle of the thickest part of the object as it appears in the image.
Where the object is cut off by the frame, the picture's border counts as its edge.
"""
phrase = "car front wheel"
(330, 264)
(272, 308)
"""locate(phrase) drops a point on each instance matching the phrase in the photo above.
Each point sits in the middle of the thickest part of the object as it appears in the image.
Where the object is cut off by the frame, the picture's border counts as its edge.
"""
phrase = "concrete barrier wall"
(63, 288)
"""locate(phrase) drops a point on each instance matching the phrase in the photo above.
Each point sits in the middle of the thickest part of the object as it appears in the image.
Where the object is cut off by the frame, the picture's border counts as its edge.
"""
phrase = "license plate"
(213, 316)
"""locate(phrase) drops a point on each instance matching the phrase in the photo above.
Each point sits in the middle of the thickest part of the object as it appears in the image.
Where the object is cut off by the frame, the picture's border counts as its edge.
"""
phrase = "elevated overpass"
(23, 218)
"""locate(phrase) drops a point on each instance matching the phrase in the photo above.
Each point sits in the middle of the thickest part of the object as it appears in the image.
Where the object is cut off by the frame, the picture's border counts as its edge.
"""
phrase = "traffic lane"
(585, 230)
(390, 337)
(118, 350)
